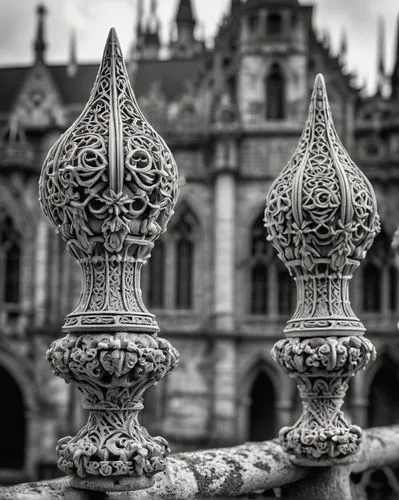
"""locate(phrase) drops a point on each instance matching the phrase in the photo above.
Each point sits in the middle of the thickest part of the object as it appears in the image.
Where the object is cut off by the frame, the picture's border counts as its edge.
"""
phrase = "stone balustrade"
(234, 472)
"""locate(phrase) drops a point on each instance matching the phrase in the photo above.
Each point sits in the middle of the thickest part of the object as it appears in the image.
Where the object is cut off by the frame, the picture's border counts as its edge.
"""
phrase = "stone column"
(224, 407)
(40, 278)
(225, 216)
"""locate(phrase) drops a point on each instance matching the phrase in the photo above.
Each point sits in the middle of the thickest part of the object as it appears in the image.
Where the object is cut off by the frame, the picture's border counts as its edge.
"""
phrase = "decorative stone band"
(111, 297)
(323, 303)
(322, 366)
(112, 372)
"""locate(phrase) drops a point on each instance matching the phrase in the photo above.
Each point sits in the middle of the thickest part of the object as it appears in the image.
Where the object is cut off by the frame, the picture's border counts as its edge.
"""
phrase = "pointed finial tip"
(112, 36)
(319, 89)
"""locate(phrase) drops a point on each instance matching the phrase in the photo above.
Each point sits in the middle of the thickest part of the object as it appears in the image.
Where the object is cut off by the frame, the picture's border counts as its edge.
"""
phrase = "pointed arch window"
(168, 279)
(275, 93)
(10, 260)
(272, 289)
(274, 25)
(184, 235)
(156, 285)
(380, 278)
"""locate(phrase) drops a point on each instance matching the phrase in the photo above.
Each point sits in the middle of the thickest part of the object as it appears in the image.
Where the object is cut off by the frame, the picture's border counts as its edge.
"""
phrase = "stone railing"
(109, 186)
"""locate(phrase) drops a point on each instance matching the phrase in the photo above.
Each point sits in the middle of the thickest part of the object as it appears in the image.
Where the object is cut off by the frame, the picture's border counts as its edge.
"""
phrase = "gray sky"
(93, 18)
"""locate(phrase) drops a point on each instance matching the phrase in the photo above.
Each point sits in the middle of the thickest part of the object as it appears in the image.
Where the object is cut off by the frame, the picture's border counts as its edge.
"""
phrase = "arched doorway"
(262, 413)
(383, 397)
(12, 423)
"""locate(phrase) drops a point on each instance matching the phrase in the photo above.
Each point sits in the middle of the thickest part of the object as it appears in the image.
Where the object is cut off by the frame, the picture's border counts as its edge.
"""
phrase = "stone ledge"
(227, 472)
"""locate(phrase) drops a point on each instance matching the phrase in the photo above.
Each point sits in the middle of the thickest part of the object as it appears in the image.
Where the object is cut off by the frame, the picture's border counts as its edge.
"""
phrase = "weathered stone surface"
(235, 471)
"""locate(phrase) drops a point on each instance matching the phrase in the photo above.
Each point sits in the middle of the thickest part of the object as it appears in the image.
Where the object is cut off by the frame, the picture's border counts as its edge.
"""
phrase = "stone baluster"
(109, 185)
(321, 217)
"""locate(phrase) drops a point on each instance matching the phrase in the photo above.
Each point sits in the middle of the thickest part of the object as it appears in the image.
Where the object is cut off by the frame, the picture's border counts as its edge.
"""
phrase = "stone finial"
(109, 185)
(321, 217)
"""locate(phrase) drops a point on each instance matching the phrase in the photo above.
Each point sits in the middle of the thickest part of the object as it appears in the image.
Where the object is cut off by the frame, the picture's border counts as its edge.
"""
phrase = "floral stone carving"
(323, 368)
(321, 217)
(109, 186)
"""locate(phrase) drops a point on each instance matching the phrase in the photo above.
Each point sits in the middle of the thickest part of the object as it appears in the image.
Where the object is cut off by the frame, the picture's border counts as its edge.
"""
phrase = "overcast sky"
(93, 18)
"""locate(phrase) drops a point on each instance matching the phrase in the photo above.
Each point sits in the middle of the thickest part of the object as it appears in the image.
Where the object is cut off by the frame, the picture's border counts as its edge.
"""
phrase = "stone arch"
(25, 413)
(381, 381)
(255, 406)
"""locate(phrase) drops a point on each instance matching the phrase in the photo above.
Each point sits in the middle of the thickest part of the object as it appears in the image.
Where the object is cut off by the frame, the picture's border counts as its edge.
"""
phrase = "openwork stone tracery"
(109, 186)
(321, 217)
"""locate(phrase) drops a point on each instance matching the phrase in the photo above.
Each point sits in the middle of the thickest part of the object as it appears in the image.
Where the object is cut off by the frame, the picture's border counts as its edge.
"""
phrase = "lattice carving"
(321, 217)
(109, 185)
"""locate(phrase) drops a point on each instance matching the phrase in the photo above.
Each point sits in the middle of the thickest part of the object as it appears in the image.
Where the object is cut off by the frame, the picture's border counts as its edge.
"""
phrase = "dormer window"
(274, 25)
(275, 93)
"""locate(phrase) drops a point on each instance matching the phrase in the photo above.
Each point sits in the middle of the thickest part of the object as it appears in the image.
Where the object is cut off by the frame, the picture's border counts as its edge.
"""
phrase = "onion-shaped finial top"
(110, 176)
(321, 216)
(321, 206)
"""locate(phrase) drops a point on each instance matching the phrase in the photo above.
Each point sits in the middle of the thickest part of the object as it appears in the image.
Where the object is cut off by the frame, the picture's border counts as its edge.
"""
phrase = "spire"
(185, 23)
(139, 24)
(72, 63)
(151, 43)
(153, 20)
(381, 56)
(343, 49)
(39, 43)
(185, 14)
(395, 73)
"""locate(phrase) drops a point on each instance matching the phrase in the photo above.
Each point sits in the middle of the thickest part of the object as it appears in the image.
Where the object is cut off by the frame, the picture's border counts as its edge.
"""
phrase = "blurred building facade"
(232, 116)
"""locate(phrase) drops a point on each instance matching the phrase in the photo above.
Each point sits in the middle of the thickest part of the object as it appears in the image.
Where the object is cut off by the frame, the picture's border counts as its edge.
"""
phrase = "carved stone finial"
(321, 216)
(109, 186)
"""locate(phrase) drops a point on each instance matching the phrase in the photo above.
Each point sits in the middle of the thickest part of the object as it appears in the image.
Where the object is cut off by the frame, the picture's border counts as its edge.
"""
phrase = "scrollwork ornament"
(109, 185)
(321, 217)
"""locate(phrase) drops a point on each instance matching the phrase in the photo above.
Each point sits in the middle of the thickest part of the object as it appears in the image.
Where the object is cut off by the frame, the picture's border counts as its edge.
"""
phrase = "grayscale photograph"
(199, 249)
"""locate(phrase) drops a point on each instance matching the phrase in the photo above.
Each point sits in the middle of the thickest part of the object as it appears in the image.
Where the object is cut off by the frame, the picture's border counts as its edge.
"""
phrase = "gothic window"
(274, 25)
(10, 260)
(275, 93)
(184, 233)
(13, 441)
(286, 289)
(380, 277)
(272, 289)
(262, 413)
(168, 280)
(383, 398)
(156, 285)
